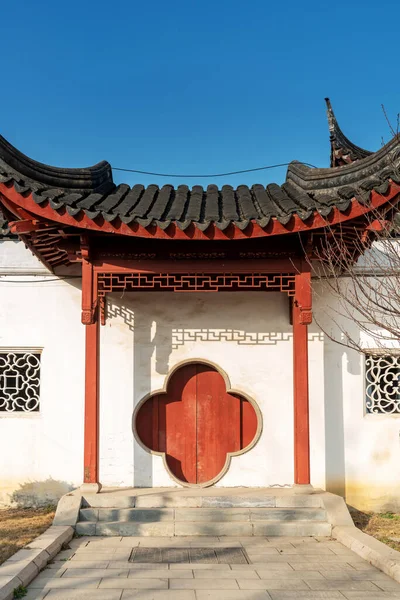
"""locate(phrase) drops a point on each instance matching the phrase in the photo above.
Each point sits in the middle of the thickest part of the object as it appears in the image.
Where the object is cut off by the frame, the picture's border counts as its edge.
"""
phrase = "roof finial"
(343, 151)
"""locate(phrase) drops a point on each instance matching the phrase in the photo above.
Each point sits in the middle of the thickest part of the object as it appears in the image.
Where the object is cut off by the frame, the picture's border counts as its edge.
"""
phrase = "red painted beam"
(301, 317)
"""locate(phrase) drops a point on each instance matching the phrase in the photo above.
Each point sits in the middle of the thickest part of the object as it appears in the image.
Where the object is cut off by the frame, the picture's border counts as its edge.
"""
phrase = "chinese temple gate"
(181, 240)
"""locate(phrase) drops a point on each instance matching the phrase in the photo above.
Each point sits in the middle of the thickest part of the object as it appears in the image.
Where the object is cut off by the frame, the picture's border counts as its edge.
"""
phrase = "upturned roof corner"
(343, 151)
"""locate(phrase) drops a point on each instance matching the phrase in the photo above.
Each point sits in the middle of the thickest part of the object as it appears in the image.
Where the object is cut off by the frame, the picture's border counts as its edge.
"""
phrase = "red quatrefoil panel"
(196, 423)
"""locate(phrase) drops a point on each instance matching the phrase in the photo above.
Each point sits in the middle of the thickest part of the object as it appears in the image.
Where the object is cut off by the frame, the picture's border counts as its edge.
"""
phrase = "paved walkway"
(279, 569)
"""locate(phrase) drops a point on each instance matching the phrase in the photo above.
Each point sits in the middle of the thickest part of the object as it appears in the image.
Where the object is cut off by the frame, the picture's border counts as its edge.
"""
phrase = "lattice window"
(382, 373)
(19, 381)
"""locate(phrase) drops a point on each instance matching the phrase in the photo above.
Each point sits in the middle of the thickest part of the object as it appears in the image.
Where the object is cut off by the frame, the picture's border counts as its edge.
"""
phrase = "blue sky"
(184, 86)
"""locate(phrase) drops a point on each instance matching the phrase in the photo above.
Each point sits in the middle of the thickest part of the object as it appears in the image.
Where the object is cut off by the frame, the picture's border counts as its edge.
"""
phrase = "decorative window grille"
(19, 381)
(382, 372)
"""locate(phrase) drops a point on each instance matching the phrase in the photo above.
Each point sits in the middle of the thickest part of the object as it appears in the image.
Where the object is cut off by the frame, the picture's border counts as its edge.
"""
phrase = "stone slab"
(299, 501)
(228, 574)
(203, 584)
(122, 583)
(25, 571)
(158, 595)
(218, 529)
(74, 594)
(256, 501)
(135, 529)
(101, 573)
(86, 528)
(89, 514)
(288, 514)
(212, 514)
(233, 595)
(341, 584)
(292, 595)
(165, 501)
(138, 515)
(67, 512)
(60, 582)
(271, 584)
(296, 528)
(7, 586)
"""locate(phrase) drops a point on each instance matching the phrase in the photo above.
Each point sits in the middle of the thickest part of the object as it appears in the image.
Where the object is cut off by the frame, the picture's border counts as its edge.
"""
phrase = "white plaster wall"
(41, 453)
(362, 451)
(247, 334)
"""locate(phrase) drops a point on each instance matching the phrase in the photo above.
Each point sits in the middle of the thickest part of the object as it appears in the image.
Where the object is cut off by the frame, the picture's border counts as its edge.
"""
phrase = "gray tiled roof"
(306, 190)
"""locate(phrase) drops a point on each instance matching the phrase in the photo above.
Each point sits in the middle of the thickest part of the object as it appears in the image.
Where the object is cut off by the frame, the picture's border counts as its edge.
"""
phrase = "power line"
(47, 280)
(210, 174)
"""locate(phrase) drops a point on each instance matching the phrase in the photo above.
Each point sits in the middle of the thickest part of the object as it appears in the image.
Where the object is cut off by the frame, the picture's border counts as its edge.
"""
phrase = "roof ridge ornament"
(343, 151)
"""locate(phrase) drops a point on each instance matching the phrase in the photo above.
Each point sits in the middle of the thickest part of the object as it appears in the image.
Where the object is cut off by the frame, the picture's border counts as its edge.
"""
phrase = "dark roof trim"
(343, 151)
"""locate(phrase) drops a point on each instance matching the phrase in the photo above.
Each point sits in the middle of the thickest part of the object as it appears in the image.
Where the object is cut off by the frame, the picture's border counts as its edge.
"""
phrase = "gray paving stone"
(388, 585)
(35, 594)
(368, 575)
(268, 574)
(199, 567)
(273, 566)
(121, 564)
(143, 583)
(341, 584)
(74, 594)
(370, 595)
(233, 595)
(319, 566)
(62, 582)
(85, 564)
(101, 573)
(257, 551)
(146, 566)
(271, 584)
(292, 595)
(207, 574)
(203, 584)
(109, 556)
(158, 595)
(162, 573)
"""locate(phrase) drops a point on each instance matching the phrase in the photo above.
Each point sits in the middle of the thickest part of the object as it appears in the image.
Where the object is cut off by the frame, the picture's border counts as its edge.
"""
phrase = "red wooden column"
(91, 322)
(302, 316)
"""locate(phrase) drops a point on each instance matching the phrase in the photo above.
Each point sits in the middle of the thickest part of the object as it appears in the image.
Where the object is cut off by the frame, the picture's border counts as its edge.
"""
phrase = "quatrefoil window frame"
(229, 390)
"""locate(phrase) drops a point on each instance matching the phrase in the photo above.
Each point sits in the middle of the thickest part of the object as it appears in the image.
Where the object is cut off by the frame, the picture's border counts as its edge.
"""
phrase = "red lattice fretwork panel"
(197, 282)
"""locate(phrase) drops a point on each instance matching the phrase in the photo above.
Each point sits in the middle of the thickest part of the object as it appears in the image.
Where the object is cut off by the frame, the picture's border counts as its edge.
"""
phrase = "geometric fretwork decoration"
(382, 388)
(19, 381)
(196, 424)
(195, 282)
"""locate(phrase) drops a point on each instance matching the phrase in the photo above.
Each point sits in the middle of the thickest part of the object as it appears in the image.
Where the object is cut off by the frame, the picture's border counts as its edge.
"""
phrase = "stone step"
(154, 515)
(296, 527)
(177, 500)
